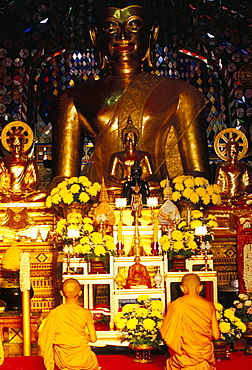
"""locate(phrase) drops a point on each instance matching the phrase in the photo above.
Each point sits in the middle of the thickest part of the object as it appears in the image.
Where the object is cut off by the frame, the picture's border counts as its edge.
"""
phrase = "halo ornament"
(10, 128)
(222, 139)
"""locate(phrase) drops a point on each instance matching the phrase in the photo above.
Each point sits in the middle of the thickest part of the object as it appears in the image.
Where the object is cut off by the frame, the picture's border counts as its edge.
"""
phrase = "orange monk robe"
(63, 340)
(187, 330)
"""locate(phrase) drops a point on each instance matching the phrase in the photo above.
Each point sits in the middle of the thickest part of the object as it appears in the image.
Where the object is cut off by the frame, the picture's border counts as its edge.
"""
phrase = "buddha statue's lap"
(166, 112)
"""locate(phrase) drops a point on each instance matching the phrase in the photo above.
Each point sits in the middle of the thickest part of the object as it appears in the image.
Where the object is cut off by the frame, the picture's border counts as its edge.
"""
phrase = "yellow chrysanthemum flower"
(157, 305)
(178, 179)
(156, 313)
(63, 192)
(178, 245)
(97, 186)
(56, 199)
(163, 239)
(88, 227)
(85, 248)
(213, 223)
(92, 191)
(68, 198)
(229, 314)
(87, 220)
(189, 182)
(224, 327)
(75, 188)
(177, 235)
(210, 190)
(96, 238)
(72, 180)
(129, 308)
(206, 199)
(216, 199)
(99, 250)
(142, 312)
(187, 193)
(54, 191)
(132, 323)
(84, 197)
(176, 195)
(218, 306)
(149, 324)
(121, 324)
(201, 192)
(199, 181)
(118, 317)
(84, 240)
(192, 245)
(49, 201)
(163, 183)
(62, 185)
(143, 297)
(179, 186)
(241, 325)
(110, 245)
(195, 223)
(166, 246)
(181, 224)
(194, 198)
(196, 214)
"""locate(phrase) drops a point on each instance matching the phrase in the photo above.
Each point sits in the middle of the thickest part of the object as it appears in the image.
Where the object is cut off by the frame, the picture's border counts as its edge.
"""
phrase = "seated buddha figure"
(138, 275)
(168, 113)
(234, 177)
(121, 162)
(18, 172)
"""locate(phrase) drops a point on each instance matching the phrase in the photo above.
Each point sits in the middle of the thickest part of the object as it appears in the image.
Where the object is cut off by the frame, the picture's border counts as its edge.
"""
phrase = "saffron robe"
(187, 331)
(63, 340)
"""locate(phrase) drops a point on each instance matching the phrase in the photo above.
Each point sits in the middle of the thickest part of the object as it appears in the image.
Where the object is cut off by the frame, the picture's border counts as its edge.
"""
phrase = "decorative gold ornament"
(245, 75)
(224, 136)
(9, 129)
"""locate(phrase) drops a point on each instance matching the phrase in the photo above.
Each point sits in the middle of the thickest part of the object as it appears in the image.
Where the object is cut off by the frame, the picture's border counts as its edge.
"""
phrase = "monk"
(68, 328)
(138, 275)
(188, 329)
(1, 353)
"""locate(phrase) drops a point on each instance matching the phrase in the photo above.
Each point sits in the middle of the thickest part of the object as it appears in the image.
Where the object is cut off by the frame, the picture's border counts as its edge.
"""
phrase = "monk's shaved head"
(71, 288)
(191, 283)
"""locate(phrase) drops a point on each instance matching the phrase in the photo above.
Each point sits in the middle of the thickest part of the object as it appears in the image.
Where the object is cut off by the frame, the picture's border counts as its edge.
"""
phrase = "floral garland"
(140, 323)
(76, 189)
(231, 327)
(247, 268)
(194, 189)
(183, 240)
(90, 243)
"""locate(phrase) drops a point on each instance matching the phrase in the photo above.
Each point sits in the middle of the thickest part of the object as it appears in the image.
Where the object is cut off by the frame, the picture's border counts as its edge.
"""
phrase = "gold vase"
(221, 350)
(143, 353)
(248, 336)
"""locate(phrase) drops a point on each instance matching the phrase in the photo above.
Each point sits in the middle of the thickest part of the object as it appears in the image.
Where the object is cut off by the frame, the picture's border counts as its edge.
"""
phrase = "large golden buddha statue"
(19, 177)
(168, 113)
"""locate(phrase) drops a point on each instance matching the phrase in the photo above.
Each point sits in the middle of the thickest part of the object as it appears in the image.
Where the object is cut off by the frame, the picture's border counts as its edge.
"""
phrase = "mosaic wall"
(45, 49)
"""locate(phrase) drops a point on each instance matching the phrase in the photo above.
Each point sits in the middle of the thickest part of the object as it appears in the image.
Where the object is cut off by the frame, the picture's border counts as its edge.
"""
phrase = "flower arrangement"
(88, 243)
(11, 259)
(183, 240)
(194, 190)
(76, 189)
(243, 308)
(140, 323)
(231, 327)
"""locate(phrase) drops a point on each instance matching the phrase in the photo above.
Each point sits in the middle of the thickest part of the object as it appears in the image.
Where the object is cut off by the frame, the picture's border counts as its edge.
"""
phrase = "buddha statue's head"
(124, 36)
(16, 142)
(136, 171)
(232, 149)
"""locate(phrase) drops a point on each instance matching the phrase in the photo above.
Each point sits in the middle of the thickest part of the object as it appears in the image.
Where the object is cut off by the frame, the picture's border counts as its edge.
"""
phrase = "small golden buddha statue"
(121, 162)
(138, 275)
(19, 177)
(234, 177)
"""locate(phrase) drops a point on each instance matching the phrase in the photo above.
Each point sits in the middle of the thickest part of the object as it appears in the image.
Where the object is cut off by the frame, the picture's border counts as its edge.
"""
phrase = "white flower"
(236, 302)
(248, 302)
(243, 296)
